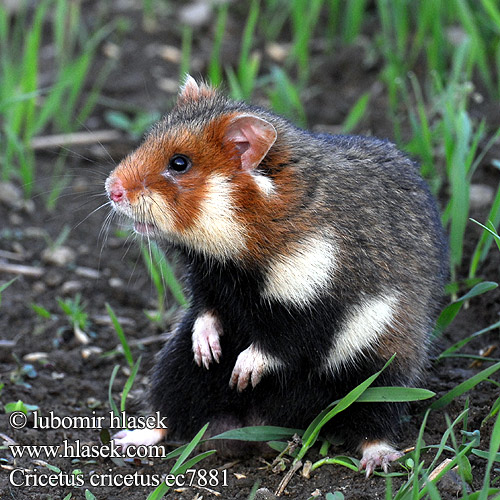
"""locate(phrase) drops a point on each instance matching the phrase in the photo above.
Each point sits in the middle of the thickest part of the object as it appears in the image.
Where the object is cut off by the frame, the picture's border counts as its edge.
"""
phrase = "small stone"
(93, 403)
(39, 287)
(35, 232)
(10, 195)
(59, 256)
(116, 283)
(277, 51)
(80, 335)
(15, 219)
(29, 206)
(170, 53)
(35, 356)
(196, 14)
(80, 185)
(168, 85)
(71, 287)
(87, 272)
(111, 50)
(87, 352)
(306, 470)
(53, 278)
(481, 195)
(264, 494)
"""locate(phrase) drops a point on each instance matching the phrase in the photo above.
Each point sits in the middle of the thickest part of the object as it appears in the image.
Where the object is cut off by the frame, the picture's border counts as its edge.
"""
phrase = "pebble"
(52, 278)
(80, 335)
(80, 185)
(264, 494)
(87, 352)
(39, 287)
(11, 195)
(481, 195)
(196, 14)
(6, 347)
(169, 85)
(35, 232)
(15, 219)
(116, 283)
(169, 53)
(59, 256)
(87, 272)
(71, 287)
(35, 356)
(277, 51)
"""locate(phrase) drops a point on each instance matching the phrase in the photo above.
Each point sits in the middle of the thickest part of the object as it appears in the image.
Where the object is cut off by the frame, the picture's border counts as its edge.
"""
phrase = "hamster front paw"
(377, 454)
(205, 337)
(250, 366)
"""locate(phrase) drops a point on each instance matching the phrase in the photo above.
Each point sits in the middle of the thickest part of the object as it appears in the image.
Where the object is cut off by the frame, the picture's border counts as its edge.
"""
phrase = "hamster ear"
(253, 137)
(191, 91)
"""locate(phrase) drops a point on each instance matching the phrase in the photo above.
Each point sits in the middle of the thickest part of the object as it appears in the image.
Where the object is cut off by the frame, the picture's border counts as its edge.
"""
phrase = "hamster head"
(203, 177)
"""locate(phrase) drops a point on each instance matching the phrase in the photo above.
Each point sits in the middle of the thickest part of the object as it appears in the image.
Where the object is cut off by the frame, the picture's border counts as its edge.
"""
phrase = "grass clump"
(28, 108)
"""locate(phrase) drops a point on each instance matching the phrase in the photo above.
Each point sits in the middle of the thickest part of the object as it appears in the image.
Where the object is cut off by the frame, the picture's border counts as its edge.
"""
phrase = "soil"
(71, 378)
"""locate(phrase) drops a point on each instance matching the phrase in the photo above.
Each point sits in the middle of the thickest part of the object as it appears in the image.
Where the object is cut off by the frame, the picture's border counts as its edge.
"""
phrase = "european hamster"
(311, 259)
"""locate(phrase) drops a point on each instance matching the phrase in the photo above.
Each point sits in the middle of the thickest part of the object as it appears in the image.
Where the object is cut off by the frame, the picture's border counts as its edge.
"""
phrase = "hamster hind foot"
(138, 437)
(377, 454)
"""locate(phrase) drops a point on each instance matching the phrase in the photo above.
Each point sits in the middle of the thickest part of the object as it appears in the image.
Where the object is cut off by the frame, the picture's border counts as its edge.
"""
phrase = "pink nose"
(116, 191)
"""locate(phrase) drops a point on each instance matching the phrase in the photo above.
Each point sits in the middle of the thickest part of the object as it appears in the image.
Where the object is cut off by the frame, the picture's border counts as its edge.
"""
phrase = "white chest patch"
(364, 325)
(302, 274)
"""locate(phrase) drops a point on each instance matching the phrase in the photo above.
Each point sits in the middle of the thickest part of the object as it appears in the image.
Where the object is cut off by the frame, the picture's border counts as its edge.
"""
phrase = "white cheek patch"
(217, 231)
(365, 324)
(302, 274)
(264, 183)
(156, 211)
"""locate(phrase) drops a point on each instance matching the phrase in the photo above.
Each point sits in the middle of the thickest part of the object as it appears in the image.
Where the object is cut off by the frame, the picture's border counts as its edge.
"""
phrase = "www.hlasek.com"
(77, 449)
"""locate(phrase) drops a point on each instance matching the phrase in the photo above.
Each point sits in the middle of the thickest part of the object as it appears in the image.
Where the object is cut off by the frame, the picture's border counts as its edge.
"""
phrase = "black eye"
(179, 163)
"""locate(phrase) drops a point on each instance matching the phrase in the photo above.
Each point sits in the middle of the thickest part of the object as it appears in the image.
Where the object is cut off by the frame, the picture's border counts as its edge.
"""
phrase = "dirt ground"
(71, 379)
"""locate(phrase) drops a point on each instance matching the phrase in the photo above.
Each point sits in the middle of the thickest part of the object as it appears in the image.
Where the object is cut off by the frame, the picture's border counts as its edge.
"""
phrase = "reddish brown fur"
(183, 195)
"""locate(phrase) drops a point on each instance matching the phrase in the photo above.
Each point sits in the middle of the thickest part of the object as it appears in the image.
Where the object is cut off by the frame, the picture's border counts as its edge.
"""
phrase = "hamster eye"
(179, 163)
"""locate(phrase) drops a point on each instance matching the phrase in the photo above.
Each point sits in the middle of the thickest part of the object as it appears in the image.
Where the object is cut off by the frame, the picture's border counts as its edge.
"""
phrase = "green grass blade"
(394, 394)
(484, 244)
(450, 312)
(258, 433)
(112, 403)
(312, 432)
(121, 336)
(129, 383)
(356, 113)
(465, 386)
(492, 457)
(189, 448)
(353, 20)
(215, 64)
(458, 345)
(167, 274)
(187, 44)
